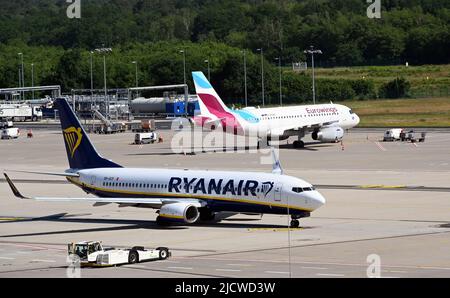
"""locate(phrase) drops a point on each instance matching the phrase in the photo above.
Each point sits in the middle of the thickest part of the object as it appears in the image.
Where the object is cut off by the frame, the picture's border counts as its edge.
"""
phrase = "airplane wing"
(147, 202)
(311, 126)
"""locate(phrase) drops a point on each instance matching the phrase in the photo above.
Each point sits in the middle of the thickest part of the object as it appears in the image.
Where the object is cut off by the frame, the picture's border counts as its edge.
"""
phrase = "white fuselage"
(279, 121)
(220, 190)
(290, 120)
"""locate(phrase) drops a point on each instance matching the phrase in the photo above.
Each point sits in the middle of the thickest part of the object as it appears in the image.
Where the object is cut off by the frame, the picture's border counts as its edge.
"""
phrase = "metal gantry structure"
(56, 90)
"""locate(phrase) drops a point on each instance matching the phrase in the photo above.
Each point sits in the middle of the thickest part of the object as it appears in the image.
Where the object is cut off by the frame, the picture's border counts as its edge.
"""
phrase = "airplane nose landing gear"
(295, 219)
(298, 144)
(294, 224)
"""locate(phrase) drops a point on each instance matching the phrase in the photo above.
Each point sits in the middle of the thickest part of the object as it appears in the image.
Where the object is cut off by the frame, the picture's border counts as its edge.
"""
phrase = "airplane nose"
(317, 199)
(357, 119)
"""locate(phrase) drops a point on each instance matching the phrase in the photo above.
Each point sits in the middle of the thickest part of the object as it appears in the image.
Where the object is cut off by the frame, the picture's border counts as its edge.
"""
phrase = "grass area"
(426, 80)
(424, 112)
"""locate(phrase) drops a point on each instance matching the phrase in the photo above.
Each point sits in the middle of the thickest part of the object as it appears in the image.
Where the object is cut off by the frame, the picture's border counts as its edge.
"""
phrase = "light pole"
(136, 65)
(262, 74)
(279, 67)
(184, 65)
(92, 75)
(104, 51)
(32, 79)
(312, 51)
(245, 77)
(22, 76)
(209, 71)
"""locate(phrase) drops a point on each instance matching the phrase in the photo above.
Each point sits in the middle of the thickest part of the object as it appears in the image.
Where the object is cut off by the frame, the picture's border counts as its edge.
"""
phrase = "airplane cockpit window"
(302, 189)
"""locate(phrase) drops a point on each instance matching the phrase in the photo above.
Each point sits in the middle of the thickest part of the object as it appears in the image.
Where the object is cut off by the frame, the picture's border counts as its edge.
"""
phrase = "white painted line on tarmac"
(23, 252)
(395, 271)
(183, 268)
(229, 270)
(330, 274)
(172, 262)
(276, 272)
(43, 261)
(7, 258)
(316, 268)
(240, 265)
(138, 266)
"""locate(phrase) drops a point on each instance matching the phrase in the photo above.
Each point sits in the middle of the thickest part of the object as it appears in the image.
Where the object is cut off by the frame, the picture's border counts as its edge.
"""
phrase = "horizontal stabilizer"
(66, 174)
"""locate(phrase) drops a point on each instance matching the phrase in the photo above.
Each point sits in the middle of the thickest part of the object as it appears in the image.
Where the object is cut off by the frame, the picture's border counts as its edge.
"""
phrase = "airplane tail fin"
(208, 96)
(80, 151)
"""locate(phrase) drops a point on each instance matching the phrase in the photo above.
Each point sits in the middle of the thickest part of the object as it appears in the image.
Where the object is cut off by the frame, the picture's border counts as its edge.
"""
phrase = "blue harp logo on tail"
(73, 137)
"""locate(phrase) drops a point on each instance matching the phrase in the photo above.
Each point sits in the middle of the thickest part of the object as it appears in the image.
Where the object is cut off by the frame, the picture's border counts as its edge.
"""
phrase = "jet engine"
(328, 135)
(178, 213)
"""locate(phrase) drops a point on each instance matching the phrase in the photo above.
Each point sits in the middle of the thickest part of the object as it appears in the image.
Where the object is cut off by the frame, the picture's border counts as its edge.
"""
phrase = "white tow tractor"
(93, 254)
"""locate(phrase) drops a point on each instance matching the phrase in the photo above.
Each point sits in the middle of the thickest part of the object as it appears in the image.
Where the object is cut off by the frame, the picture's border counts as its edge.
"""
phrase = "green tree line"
(162, 63)
(416, 31)
(152, 32)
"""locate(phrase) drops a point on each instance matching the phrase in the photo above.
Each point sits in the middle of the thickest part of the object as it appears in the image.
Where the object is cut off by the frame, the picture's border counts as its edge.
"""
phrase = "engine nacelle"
(179, 212)
(328, 135)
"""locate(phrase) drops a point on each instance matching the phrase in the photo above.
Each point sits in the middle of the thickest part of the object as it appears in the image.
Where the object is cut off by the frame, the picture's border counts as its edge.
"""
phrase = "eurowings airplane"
(182, 196)
(326, 122)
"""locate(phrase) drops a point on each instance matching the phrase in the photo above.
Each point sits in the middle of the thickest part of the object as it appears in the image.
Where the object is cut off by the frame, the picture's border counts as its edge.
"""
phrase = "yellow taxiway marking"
(274, 229)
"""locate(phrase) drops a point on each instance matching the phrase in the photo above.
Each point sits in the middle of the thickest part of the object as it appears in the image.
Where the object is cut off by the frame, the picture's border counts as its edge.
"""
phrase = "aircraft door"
(277, 190)
(92, 180)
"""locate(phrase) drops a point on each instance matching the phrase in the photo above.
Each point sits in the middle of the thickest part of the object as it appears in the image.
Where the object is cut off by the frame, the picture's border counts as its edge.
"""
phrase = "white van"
(145, 138)
(10, 133)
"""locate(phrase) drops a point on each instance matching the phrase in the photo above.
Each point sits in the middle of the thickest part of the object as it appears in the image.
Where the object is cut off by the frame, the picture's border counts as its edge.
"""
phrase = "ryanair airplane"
(325, 122)
(182, 196)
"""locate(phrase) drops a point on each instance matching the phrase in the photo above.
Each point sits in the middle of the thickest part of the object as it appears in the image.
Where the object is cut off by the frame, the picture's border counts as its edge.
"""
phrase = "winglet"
(14, 188)
(276, 167)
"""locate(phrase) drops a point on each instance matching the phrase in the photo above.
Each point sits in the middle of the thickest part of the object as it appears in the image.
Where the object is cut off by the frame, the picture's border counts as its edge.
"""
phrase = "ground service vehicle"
(145, 138)
(392, 135)
(20, 112)
(93, 254)
(8, 131)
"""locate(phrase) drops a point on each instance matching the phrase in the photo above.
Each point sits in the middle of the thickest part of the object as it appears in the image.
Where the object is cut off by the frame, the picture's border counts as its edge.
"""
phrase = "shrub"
(397, 88)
